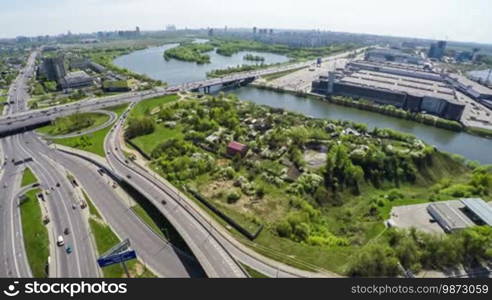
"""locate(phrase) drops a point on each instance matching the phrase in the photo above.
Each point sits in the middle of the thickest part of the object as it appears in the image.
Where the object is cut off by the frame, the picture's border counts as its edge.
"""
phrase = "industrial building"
(407, 86)
(76, 79)
(476, 91)
(459, 214)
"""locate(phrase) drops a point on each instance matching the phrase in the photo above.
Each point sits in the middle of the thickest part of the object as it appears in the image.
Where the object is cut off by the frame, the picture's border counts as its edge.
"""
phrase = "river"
(151, 62)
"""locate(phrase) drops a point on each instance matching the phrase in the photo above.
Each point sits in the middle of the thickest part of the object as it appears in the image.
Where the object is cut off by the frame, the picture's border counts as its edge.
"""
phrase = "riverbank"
(387, 110)
(150, 62)
(279, 183)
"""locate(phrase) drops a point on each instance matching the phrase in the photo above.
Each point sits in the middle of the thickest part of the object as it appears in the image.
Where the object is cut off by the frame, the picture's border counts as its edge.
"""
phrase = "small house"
(234, 148)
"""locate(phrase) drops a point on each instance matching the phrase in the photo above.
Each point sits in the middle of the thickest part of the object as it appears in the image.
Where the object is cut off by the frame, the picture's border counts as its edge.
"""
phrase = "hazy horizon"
(453, 20)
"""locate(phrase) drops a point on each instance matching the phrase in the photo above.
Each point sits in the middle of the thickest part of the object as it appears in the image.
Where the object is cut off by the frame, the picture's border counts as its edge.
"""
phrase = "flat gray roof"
(475, 85)
(479, 208)
(399, 83)
(448, 214)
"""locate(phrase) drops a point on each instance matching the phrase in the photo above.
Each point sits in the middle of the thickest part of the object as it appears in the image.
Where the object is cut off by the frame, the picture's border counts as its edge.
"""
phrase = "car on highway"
(69, 249)
(66, 231)
(60, 242)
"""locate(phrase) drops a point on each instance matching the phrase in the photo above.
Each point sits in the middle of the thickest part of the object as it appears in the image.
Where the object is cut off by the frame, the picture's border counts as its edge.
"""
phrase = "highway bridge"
(28, 120)
(217, 251)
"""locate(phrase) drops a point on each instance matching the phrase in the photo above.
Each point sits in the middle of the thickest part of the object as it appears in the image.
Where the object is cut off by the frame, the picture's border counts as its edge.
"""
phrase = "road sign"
(116, 258)
(120, 247)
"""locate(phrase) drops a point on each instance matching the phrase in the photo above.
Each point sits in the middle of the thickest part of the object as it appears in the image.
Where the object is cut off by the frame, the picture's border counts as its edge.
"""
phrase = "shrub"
(283, 228)
(233, 196)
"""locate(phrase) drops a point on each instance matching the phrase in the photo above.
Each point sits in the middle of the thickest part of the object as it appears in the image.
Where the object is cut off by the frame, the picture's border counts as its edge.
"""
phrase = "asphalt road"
(215, 251)
(60, 202)
(13, 262)
(153, 250)
(180, 207)
(215, 259)
(26, 119)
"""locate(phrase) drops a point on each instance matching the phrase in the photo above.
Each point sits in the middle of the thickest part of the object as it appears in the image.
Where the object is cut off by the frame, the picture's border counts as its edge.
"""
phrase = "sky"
(458, 20)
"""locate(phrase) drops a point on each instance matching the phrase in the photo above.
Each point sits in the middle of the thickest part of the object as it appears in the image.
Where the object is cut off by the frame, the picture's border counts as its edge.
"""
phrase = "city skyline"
(455, 21)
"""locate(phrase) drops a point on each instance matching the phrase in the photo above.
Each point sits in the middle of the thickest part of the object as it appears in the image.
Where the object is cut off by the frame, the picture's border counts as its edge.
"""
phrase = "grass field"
(93, 142)
(145, 106)
(57, 129)
(142, 214)
(150, 141)
(35, 234)
(92, 208)
(253, 273)
(105, 239)
(355, 218)
(28, 177)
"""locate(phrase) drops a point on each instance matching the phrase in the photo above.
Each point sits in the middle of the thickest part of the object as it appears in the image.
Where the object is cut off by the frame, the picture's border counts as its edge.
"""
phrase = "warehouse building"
(410, 87)
(478, 210)
(459, 214)
(476, 91)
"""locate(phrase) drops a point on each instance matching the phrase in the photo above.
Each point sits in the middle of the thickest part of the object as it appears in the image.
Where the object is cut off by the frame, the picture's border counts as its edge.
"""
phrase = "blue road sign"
(116, 258)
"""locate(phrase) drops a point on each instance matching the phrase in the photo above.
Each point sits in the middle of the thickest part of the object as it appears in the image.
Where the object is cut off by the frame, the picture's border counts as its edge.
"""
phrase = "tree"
(139, 126)
(374, 260)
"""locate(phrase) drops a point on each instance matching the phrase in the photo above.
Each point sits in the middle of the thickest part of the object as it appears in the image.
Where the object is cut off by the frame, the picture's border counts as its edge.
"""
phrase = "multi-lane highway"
(62, 207)
(215, 249)
(157, 254)
(214, 258)
(28, 119)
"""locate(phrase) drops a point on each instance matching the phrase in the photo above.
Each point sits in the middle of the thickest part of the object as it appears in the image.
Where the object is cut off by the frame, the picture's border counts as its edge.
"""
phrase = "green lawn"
(253, 273)
(145, 106)
(2, 103)
(148, 142)
(142, 214)
(92, 142)
(57, 129)
(28, 177)
(35, 234)
(92, 208)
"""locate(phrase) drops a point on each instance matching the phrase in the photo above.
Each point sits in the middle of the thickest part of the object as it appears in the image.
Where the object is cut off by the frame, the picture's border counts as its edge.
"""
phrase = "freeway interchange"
(216, 253)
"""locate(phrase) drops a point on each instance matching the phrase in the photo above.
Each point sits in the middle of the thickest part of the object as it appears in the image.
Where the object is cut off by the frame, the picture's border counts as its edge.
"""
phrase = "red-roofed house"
(234, 148)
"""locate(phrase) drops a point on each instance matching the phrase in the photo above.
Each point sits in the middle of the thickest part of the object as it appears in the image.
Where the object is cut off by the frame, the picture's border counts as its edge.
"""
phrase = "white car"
(60, 242)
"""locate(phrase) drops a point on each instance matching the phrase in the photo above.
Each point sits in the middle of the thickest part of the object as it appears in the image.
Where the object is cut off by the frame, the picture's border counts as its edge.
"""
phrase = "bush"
(284, 229)
(394, 194)
(375, 260)
(233, 196)
(260, 192)
(301, 231)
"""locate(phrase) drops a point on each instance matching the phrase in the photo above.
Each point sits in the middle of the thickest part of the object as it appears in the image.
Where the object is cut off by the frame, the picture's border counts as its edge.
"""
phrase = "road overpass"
(216, 250)
(28, 120)
(59, 205)
(179, 207)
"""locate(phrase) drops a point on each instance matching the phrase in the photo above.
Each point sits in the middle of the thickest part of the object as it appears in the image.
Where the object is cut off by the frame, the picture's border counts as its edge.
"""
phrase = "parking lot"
(415, 215)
